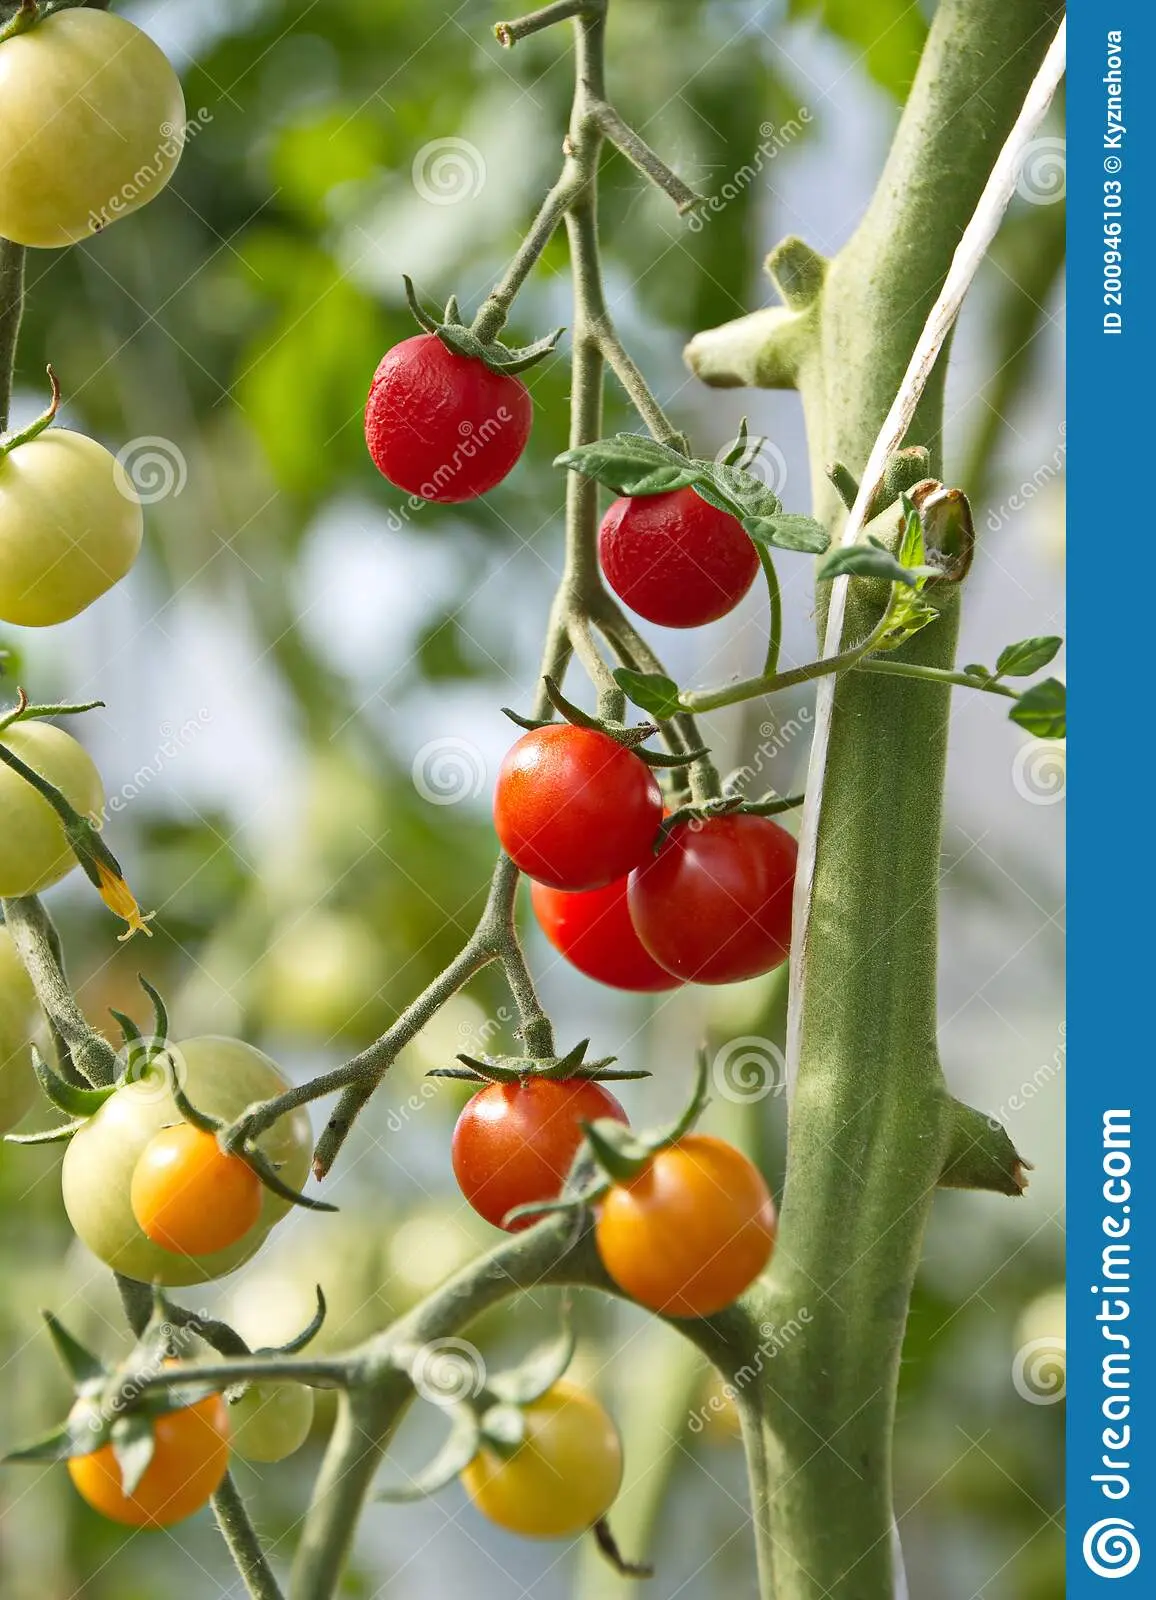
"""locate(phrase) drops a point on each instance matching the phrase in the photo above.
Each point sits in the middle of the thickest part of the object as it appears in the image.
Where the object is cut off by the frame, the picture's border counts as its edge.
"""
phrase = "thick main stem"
(869, 1124)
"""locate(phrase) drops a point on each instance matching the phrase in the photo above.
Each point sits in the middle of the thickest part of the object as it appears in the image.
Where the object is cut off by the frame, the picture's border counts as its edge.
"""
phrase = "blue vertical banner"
(1111, 196)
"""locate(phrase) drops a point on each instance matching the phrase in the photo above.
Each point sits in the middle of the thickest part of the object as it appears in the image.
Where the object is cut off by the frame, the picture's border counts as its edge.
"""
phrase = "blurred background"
(303, 679)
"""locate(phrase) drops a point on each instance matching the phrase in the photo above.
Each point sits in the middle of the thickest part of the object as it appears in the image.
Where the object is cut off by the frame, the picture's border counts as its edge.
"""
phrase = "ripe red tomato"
(593, 930)
(674, 559)
(691, 1232)
(515, 1142)
(189, 1196)
(190, 1457)
(714, 905)
(575, 809)
(444, 426)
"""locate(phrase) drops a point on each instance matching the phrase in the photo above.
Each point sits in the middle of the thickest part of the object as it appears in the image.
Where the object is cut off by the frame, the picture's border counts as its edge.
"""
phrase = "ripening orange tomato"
(190, 1457)
(693, 1230)
(190, 1196)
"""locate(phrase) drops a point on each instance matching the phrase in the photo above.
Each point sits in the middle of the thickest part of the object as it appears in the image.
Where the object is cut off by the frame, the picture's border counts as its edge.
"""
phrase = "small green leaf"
(866, 561)
(787, 531)
(630, 463)
(748, 495)
(975, 670)
(1042, 709)
(911, 551)
(1028, 656)
(650, 691)
(55, 1446)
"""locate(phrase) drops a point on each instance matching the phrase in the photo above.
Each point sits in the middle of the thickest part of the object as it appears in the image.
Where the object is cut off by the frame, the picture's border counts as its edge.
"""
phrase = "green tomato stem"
(508, 33)
(12, 258)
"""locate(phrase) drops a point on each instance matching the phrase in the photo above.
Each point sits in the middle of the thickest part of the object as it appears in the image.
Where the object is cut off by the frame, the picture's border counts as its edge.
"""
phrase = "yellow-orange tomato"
(563, 1476)
(190, 1457)
(691, 1231)
(191, 1197)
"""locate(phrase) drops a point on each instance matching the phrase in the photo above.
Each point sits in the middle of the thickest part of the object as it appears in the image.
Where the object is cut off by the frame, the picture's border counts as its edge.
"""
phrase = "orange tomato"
(190, 1458)
(189, 1196)
(691, 1231)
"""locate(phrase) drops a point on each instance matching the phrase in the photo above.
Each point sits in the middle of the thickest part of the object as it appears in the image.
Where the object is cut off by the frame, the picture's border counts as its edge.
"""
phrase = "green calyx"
(11, 441)
(463, 341)
(109, 1405)
(524, 1069)
(630, 737)
(23, 711)
(234, 1144)
(26, 16)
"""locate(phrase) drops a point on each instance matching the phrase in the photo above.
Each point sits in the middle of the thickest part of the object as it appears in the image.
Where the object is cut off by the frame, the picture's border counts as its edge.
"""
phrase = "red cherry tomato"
(593, 930)
(515, 1142)
(691, 1232)
(714, 905)
(575, 809)
(444, 426)
(674, 559)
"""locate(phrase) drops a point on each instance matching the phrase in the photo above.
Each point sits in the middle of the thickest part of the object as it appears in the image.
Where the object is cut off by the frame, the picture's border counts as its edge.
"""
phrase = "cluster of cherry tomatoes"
(581, 814)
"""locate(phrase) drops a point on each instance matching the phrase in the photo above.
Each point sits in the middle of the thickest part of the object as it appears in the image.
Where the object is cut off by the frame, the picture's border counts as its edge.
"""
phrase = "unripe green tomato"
(17, 1079)
(93, 119)
(271, 1420)
(343, 1254)
(320, 977)
(34, 852)
(70, 526)
(220, 1076)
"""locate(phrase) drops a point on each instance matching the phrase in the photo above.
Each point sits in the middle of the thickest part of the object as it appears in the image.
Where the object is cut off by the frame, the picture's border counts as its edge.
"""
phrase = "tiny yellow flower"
(120, 900)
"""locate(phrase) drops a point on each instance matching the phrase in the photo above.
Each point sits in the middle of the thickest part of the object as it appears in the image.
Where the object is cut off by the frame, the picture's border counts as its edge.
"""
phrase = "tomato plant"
(714, 905)
(442, 425)
(34, 852)
(693, 1230)
(70, 526)
(564, 1475)
(675, 559)
(514, 1143)
(189, 1196)
(573, 808)
(271, 1421)
(93, 117)
(221, 1077)
(593, 930)
(190, 1457)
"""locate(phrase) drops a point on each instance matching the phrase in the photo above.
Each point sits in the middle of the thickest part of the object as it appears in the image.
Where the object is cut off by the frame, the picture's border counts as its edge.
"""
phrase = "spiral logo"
(1043, 175)
(1040, 1371)
(447, 771)
(153, 1065)
(763, 460)
(1111, 1548)
(1040, 772)
(150, 469)
(446, 171)
(749, 1069)
(448, 1371)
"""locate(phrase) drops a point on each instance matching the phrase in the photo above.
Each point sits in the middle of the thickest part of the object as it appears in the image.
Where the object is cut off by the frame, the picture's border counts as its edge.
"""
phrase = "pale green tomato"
(70, 526)
(319, 977)
(93, 119)
(219, 1076)
(271, 1420)
(34, 853)
(346, 1256)
(17, 996)
(17, 1080)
